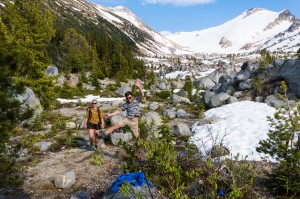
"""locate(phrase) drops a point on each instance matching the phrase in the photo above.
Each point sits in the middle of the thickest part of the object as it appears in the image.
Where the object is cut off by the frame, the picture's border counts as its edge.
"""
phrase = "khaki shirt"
(94, 119)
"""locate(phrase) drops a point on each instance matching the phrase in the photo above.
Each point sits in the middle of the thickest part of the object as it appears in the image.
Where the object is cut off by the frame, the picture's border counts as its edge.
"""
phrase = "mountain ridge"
(148, 41)
(253, 30)
(273, 31)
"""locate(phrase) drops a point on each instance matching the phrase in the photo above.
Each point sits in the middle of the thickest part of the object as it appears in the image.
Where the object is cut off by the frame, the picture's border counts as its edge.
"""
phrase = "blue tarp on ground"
(136, 179)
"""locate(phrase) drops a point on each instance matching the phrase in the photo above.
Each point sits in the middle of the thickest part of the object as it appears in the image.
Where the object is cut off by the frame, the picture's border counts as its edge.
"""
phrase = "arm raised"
(138, 84)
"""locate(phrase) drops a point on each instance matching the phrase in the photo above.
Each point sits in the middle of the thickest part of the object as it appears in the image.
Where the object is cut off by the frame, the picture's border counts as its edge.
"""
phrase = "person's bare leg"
(96, 132)
(111, 129)
(92, 136)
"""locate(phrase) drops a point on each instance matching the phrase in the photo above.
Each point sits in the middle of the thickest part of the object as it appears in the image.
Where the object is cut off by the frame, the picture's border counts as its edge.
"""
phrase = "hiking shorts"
(133, 125)
(93, 126)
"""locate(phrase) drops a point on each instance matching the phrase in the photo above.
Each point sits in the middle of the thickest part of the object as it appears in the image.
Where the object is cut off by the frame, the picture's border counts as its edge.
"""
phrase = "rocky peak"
(295, 26)
(286, 15)
(251, 11)
(225, 42)
(122, 8)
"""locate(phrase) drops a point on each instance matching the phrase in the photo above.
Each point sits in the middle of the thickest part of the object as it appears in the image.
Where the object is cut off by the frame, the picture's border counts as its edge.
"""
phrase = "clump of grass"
(98, 157)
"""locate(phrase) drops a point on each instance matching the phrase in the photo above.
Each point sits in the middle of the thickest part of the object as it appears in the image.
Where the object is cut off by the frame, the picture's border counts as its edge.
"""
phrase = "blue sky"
(190, 15)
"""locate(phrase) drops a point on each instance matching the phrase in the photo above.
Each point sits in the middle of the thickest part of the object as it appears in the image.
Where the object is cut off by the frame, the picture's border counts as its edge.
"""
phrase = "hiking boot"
(119, 130)
(90, 148)
(99, 135)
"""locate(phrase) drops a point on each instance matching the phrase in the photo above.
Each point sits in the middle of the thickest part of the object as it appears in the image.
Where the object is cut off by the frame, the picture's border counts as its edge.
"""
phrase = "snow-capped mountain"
(147, 40)
(254, 29)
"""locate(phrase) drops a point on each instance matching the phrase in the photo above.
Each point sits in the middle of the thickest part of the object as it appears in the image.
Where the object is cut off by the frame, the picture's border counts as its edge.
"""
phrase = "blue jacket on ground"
(136, 179)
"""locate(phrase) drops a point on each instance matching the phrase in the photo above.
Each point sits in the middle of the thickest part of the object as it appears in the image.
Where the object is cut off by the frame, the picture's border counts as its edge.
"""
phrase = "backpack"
(90, 113)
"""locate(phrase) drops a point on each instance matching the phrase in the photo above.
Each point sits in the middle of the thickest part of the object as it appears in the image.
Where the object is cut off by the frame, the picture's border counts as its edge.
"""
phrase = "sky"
(190, 15)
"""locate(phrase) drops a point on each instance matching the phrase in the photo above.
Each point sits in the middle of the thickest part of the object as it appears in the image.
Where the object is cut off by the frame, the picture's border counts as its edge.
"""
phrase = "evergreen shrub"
(173, 169)
(163, 94)
(68, 92)
(283, 144)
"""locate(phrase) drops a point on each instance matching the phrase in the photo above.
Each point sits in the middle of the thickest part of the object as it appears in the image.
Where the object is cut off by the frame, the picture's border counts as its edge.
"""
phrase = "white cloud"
(178, 2)
(165, 33)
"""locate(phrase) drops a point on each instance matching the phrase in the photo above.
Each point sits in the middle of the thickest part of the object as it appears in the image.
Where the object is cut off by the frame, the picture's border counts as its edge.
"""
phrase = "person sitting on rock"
(132, 106)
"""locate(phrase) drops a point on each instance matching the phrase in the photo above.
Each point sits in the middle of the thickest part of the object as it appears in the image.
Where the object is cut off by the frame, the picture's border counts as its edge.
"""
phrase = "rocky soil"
(92, 179)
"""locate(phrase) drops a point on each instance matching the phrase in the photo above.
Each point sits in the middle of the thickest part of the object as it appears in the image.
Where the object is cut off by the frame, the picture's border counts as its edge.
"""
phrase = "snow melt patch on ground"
(89, 98)
(245, 123)
(183, 74)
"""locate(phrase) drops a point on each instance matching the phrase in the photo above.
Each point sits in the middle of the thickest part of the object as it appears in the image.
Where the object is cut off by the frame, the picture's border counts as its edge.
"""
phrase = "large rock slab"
(65, 181)
(44, 146)
(177, 99)
(205, 82)
(121, 91)
(181, 130)
(116, 137)
(152, 120)
(28, 99)
(218, 100)
(290, 71)
(51, 71)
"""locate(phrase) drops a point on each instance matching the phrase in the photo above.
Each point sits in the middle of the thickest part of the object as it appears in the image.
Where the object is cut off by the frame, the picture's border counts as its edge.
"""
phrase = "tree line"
(33, 36)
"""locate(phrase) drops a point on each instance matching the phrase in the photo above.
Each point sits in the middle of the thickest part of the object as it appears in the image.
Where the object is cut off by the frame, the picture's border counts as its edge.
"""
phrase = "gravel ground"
(90, 178)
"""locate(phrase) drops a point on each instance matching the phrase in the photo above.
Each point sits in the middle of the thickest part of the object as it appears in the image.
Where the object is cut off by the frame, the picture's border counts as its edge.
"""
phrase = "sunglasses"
(94, 103)
(128, 98)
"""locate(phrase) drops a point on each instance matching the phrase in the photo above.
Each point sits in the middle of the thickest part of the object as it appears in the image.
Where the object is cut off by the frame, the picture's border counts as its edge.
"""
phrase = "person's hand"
(102, 126)
(138, 83)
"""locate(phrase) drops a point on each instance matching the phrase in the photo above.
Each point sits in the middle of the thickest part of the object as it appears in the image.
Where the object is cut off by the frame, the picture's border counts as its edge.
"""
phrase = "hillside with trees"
(33, 36)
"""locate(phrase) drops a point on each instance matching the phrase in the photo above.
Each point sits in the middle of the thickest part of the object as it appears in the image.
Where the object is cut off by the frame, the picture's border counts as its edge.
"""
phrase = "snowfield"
(241, 125)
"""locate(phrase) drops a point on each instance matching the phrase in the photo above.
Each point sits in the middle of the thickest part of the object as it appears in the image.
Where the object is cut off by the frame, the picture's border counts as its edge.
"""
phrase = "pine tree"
(266, 57)
(283, 144)
(10, 114)
(97, 68)
(188, 86)
(151, 79)
(31, 29)
(76, 52)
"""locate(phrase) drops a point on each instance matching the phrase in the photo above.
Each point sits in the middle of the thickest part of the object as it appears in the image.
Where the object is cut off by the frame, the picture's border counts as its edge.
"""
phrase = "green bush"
(28, 141)
(283, 144)
(173, 169)
(257, 84)
(37, 124)
(143, 129)
(60, 124)
(266, 57)
(98, 157)
(163, 94)
(68, 92)
(68, 139)
(111, 87)
(188, 87)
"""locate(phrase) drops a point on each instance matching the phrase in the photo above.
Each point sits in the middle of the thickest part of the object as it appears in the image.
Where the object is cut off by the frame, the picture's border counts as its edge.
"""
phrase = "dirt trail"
(89, 177)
